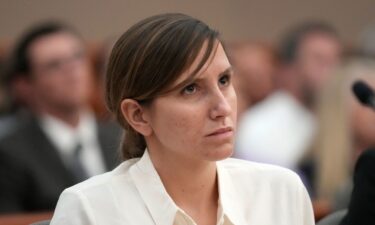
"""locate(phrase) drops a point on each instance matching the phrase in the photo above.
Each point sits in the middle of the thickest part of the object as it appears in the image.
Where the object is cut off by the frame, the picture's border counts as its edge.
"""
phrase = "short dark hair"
(292, 40)
(19, 64)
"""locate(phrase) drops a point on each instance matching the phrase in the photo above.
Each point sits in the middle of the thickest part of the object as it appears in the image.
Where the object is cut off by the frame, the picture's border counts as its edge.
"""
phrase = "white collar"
(162, 207)
(66, 137)
(228, 196)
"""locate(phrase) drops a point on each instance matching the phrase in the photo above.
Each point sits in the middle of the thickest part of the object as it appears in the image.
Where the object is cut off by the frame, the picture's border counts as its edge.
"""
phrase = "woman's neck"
(192, 185)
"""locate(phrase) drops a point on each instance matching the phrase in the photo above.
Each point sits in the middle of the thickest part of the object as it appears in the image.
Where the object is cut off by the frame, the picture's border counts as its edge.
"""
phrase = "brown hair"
(147, 59)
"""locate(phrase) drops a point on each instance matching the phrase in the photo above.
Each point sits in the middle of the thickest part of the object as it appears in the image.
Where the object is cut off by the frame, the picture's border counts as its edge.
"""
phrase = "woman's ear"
(133, 112)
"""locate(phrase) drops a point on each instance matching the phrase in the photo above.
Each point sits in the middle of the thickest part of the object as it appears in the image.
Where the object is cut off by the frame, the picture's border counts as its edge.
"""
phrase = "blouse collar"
(162, 207)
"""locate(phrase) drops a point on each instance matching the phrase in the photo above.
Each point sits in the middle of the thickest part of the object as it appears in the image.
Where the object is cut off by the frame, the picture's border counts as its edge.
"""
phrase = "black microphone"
(364, 93)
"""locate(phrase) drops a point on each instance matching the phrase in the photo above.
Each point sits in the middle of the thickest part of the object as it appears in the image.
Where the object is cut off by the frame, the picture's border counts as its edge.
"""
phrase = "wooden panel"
(25, 218)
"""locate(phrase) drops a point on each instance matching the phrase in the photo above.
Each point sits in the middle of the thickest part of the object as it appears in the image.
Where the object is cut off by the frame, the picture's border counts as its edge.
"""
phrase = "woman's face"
(198, 120)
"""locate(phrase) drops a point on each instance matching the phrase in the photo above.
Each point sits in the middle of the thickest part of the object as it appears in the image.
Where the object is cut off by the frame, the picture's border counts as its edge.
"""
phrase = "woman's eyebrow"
(226, 71)
(197, 79)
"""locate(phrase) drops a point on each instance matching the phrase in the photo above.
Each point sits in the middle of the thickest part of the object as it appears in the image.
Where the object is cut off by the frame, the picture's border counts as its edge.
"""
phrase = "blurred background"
(295, 62)
(266, 19)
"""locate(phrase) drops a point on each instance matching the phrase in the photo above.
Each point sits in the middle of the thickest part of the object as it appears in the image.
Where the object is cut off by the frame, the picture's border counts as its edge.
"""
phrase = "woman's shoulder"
(259, 172)
(98, 198)
(269, 188)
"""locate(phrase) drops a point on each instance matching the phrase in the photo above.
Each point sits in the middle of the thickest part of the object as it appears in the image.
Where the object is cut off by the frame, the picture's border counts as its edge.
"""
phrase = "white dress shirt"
(65, 138)
(133, 194)
(278, 131)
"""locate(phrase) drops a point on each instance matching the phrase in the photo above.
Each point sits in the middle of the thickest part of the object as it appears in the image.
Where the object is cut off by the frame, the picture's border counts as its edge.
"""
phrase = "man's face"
(255, 69)
(59, 71)
(318, 55)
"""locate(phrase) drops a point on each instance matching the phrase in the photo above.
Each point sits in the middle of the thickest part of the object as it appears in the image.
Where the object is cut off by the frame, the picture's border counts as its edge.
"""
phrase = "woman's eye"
(190, 89)
(224, 80)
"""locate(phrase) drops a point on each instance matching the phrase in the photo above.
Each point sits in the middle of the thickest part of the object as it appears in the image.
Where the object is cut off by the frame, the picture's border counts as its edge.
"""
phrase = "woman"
(169, 84)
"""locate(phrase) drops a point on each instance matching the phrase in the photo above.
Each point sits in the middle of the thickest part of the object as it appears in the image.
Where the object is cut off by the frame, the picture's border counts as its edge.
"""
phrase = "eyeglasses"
(56, 65)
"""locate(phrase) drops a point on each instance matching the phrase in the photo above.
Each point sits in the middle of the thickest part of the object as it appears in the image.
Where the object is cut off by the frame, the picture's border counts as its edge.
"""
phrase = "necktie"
(75, 164)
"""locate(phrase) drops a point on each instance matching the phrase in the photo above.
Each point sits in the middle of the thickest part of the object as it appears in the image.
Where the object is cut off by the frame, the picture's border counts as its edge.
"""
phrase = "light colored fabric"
(277, 131)
(65, 138)
(133, 194)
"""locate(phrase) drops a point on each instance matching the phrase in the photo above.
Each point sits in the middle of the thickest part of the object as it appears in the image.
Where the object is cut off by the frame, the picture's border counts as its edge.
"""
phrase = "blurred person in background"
(280, 130)
(255, 65)
(3, 96)
(17, 99)
(345, 129)
(349, 127)
(2, 87)
(60, 142)
(310, 53)
(6, 121)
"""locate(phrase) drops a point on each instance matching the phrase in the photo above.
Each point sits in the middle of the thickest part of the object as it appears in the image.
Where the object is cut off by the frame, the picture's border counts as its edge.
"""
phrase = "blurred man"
(255, 65)
(60, 143)
(310, 53)
(281, 129)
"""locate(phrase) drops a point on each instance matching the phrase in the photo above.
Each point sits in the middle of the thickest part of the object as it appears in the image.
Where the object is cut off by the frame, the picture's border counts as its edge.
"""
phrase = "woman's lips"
(222, 132)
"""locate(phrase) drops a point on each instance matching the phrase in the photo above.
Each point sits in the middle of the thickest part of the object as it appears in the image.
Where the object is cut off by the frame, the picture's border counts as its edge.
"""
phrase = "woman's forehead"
(217, 59)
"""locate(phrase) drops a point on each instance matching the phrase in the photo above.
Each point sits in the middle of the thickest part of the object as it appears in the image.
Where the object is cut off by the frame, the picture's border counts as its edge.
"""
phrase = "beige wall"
(257, 19)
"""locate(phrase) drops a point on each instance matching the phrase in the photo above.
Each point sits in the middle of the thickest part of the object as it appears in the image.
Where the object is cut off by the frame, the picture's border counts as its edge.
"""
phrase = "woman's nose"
(221, 106)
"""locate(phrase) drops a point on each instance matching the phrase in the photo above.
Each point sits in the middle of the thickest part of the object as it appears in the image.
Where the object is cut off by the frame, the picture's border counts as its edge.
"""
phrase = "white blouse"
(133, 194)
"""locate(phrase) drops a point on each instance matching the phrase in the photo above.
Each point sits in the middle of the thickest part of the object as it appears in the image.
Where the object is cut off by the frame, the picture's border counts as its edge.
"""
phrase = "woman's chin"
(220, 153)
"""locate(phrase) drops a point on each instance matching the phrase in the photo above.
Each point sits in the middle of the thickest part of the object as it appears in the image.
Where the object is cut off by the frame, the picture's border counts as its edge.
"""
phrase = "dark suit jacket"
(361, 209)
(32, 174)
